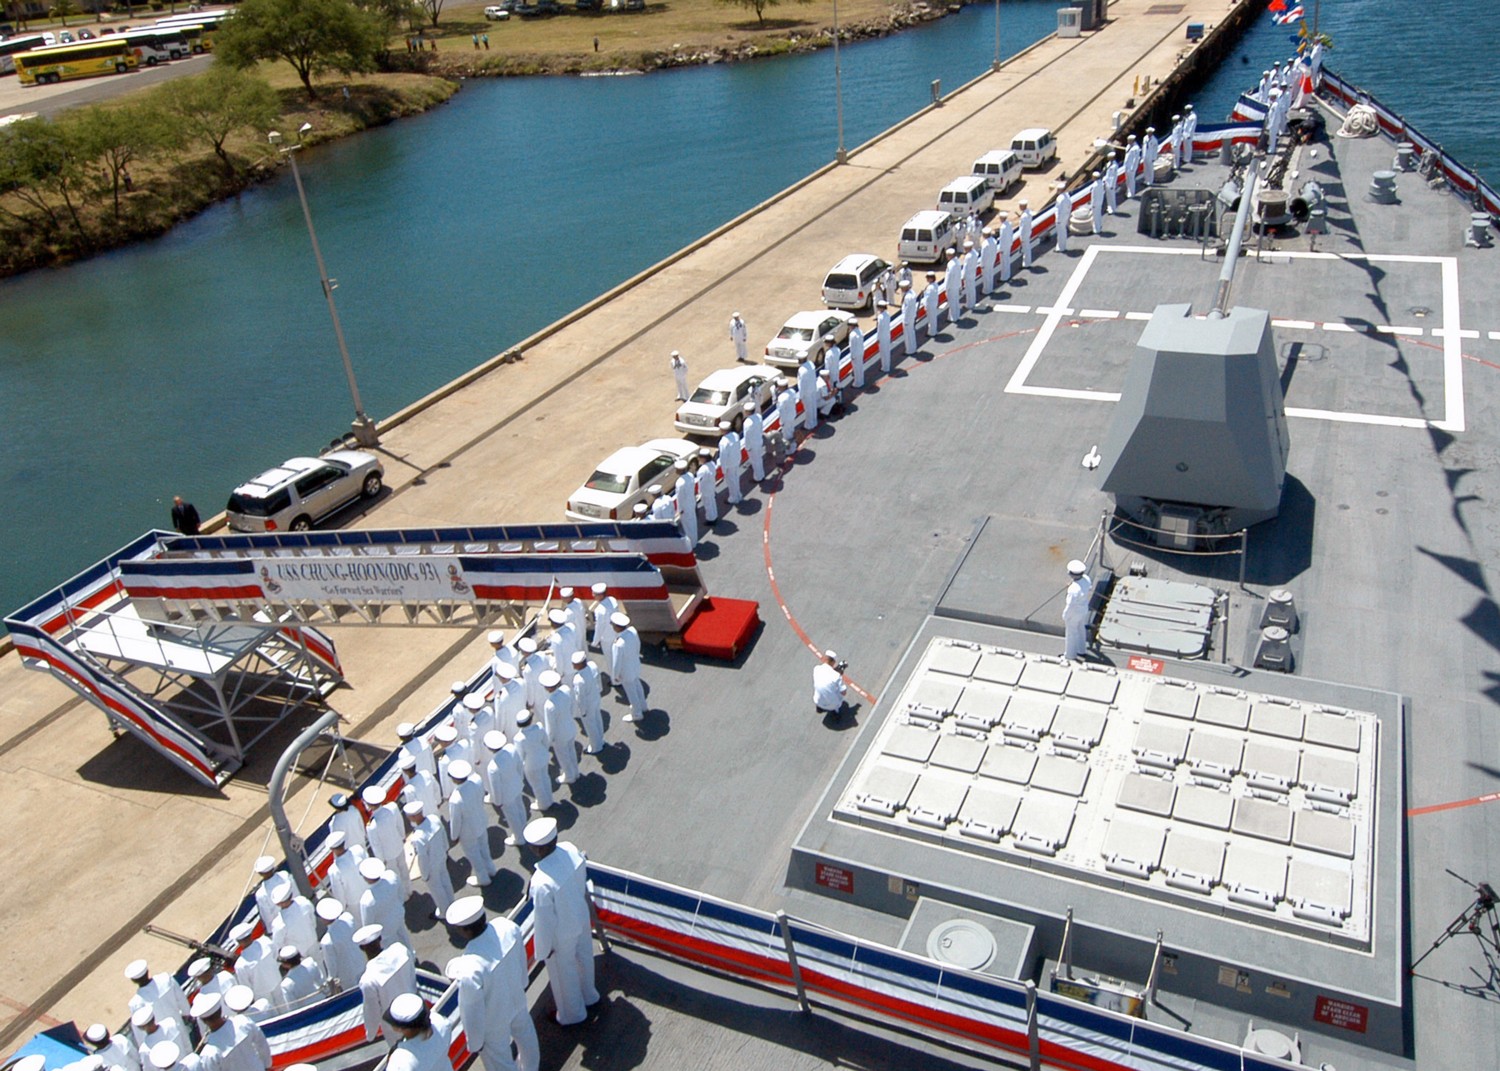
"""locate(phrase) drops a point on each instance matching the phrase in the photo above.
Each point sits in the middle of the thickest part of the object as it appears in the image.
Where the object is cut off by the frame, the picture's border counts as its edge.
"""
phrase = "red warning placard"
(834, 877)
(1344, 1014)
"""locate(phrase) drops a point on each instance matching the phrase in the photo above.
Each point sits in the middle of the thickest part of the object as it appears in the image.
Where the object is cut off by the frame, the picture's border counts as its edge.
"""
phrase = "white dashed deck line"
(1295, 325)
(1348, 328)
(1099, 314)
(1137, 316)
(1388, 329)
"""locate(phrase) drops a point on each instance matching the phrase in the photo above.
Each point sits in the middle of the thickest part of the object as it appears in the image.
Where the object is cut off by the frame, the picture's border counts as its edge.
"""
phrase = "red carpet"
(722, 628)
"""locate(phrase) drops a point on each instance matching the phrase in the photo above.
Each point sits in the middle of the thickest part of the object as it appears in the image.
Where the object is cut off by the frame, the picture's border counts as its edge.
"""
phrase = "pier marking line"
(1452, 805)
(1453, 357)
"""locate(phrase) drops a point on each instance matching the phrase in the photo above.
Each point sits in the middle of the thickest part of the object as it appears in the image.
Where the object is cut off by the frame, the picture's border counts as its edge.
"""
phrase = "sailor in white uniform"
(347, 820)
(255, 966)
(989, 249)
(685, 493)
(510, 699)
(829, 688)
(1150, 150)
(115, 1050)
(587, 692)
(679, 374)
(427, 844)
(413, 744)
(424, 1036)
(297, 924)
(239, 1005)
(532, 664)
(729, 461)
(663, 506)
(1005, 240)
(953, 284)
(970, 268)
(147, 1032)
(532, 744)
(1062, 211)
(387, 836)
(786, 416)
(1112, 185)
(159, 992)
(381, 904)
(605, 605)
(301, 979)
(420, 786)
(1024, 227)
(504, 782)
(469, 819)
(390, 970)
(1076, 610)
(265, 903)
(342, 960)
(908, 318)
(625, 666)
(706, 480)
(931, 294)
(883, 335)
(739, 334)
(1132, 165)
(559, 719)
(857, 356)
(492, 978)
(807, 391)
(754, 437)
(1096, 201)
(564, 931)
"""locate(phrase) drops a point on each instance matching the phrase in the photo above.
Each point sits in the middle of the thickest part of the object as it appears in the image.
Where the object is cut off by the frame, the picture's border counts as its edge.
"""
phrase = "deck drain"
(962, 943)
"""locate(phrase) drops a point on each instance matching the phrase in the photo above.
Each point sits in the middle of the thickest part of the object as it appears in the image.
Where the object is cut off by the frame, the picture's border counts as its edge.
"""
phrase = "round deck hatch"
(963, 944)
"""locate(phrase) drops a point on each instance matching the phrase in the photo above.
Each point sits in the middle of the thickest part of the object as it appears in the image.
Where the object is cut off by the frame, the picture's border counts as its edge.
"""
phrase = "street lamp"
(838, 86)
(365, 432)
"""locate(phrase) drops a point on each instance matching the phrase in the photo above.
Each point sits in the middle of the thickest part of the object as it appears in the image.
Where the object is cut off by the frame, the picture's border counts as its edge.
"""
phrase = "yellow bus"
(83, 60)
(206, 23)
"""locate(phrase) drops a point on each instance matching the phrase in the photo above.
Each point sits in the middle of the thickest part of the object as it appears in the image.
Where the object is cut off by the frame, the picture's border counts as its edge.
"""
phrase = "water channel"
(186, 364)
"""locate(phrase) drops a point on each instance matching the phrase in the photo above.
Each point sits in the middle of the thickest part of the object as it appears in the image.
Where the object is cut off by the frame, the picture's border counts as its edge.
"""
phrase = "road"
(16, 99)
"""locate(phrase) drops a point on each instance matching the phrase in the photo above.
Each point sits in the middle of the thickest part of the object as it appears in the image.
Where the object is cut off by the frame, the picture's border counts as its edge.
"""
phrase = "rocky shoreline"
(458, 65)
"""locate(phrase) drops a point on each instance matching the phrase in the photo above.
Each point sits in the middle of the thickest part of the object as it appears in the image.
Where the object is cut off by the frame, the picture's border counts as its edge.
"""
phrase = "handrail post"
(1155, 975)
(1244, 554)
(1033, 1039)
(783, 924)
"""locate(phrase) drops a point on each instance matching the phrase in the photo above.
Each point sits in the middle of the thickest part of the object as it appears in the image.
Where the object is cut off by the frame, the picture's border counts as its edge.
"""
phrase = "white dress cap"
(465, 911)
(329, 908)
(619, 620)
(143, 1015)
(335, 839)
(459, 770)
(526, 645)
(550, 679)
(371, 869)
(496, 638)
(1077, 568)
(137, 970)
(474, 701)
(373, 796)
(599, 590)
(238, 997)
(412, 809)
(579, 658)
(406, 1009)
(96, 1034)
(200, 967)
(240, 932)
(446, 734)
(366, 936)
(565, 594)
(206, 1004)
(494, 740)
(265, 865)
(540, 831)
(164, 1054)
(288, 954)
(557, 617)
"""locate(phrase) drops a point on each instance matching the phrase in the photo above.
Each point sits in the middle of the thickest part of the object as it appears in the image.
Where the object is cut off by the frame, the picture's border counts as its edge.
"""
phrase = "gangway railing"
(466, 576)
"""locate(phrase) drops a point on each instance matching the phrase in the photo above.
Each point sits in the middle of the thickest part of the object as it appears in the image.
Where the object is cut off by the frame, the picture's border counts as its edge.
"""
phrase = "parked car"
(300, 492)
(623, 478)
(926, 236)
(85, 35)
(850, 284)
(801, 338)
(496, 14)
(722, 396)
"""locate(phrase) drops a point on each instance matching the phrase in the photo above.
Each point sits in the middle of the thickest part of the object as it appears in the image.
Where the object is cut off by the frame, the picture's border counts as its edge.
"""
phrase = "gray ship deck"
(1389, 344)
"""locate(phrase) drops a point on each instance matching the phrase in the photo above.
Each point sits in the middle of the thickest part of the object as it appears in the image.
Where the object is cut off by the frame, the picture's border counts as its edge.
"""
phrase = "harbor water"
(186, 364)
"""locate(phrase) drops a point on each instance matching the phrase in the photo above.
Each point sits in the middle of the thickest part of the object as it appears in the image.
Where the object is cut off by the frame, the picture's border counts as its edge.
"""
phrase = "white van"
(1001, 168)
(1035, 146)
(970, 193)
(925, 236)
(850, 284)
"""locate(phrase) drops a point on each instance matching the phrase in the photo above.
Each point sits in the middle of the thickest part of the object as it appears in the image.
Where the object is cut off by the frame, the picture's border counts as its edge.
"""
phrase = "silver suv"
(299, 492)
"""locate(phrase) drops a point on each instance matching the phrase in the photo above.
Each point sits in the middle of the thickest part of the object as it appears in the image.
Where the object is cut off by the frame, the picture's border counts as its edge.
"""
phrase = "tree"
(116, 135)
(757, 6)
(41, 160)
(61, 9)
(211, 106)
(432, 9)
(312, 35)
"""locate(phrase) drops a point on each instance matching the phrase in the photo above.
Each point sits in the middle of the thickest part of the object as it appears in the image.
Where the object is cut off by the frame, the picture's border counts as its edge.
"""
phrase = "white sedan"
(802, 337)
(623, 478)
(722, 396)
(496, 14)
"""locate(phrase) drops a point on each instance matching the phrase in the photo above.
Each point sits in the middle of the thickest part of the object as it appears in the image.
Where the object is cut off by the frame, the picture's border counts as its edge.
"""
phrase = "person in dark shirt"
(184, 516)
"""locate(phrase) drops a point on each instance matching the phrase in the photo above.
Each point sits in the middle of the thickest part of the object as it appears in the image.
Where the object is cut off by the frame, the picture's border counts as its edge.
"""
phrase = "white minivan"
(1001, 168)
(1035, 146)
(926, 236)
(850, 284)
(969, 193)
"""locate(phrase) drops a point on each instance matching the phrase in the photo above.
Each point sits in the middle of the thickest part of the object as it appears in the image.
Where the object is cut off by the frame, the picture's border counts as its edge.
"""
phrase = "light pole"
(996, 65)
(365, 432)
(838, 86)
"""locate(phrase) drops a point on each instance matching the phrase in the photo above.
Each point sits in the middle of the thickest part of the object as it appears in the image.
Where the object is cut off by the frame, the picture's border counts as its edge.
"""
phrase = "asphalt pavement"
(16, 99)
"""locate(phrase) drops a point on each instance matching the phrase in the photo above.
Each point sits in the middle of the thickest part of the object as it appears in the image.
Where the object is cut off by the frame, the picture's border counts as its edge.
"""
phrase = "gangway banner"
(395, 579)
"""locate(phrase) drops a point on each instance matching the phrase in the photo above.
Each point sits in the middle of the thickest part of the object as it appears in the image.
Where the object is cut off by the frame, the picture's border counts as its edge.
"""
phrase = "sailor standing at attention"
(1062, 211)
(857, 354)
(1150, 149)
(988, 250)
(754, 430)
(387, 835)
(424, 1036)
(740, 336)
(587, 693)
(1005, 240)
(160, 993)
(469, 819)
(1112, 185)
(1096, 200)
(559, 719)
(883, 335)
(381, 903)
(971, 274)
(1076, 610)
(707, 480)
(1132, 165)
(807, 391)
(729, 461)
(347, 819)
(390, 970)
(931, 295)
(533, 746)
(908, 319)
(679, 373)
(504, 780)
(428, 845)
(1025, 229)
(685, 494)
(492, 976)
(605, 605)
(953, 281)
(564, 923)
(625, 665)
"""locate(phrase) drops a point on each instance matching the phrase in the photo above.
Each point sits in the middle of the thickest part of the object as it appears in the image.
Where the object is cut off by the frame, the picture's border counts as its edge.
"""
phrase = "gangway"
(200, 645)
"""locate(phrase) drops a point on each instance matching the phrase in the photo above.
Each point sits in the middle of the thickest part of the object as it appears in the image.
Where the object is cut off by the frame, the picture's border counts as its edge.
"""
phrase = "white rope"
(1361, 122)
